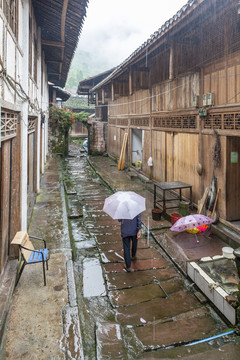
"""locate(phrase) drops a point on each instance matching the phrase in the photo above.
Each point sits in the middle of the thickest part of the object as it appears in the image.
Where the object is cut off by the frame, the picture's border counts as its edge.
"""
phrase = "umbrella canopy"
(190, 222)
(124, 205)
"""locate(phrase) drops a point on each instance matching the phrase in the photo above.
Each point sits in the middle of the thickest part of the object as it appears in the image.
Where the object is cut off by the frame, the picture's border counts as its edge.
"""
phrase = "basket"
(175, 217)
(156, 214)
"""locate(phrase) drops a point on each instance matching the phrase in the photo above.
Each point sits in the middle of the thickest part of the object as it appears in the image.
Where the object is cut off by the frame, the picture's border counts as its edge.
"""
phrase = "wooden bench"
(28, 254)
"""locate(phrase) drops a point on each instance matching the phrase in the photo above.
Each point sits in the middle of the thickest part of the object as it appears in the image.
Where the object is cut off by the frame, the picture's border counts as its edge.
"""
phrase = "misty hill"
(83, 66)
(80, 103)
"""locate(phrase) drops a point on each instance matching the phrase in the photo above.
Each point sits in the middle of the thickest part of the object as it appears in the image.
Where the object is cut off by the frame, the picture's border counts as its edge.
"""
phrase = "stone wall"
(98, 137)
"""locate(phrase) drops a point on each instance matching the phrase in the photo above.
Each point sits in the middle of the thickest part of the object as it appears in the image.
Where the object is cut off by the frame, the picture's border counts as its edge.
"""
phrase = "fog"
(113, 29)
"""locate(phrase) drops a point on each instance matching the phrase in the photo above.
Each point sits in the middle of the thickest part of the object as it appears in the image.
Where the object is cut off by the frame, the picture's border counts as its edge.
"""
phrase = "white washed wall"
(15, 56)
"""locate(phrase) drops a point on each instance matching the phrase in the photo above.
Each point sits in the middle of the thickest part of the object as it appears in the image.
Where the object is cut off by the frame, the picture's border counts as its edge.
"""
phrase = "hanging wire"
(17, 87)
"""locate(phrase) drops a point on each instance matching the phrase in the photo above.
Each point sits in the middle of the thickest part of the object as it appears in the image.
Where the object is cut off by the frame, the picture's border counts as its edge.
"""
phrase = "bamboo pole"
(121, 154)
(215, 204)
(124, 152)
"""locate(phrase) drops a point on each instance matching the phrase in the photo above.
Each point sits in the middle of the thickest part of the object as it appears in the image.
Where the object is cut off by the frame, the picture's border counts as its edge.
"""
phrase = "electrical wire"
(17, 87)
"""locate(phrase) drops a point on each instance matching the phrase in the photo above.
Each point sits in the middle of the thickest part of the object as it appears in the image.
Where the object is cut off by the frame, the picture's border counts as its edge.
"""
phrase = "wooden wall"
(78, 129)
(10, 197)
(176, 94)
(114, 140)
(222, 79)
(138, 103)
(32, 162)
(177, 151)
(175, 156)
(146, 153)
(5, 189)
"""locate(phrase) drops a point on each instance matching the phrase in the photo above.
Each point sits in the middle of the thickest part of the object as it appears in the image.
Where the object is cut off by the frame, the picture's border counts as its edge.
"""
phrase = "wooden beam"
(53, 43)
(53, 61)
(54, 73)
(63, 20)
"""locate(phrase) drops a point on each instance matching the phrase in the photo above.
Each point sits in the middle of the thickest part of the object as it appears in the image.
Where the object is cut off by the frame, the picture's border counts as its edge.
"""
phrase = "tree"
(61, 121)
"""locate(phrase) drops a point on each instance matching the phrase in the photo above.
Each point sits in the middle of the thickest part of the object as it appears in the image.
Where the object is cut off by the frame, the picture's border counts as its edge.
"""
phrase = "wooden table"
(170, 186)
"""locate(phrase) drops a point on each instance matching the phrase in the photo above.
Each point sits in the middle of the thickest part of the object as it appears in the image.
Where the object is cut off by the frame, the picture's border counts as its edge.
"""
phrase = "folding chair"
(28, 255)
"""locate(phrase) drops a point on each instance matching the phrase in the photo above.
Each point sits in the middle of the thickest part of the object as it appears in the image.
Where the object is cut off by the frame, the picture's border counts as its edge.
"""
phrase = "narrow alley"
(152, 312)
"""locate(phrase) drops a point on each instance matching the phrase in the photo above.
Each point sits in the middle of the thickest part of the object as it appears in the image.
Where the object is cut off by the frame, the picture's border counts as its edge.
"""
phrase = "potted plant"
(156, 214)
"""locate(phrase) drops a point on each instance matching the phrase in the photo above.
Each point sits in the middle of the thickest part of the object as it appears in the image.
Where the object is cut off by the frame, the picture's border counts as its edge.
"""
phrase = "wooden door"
(233, 179)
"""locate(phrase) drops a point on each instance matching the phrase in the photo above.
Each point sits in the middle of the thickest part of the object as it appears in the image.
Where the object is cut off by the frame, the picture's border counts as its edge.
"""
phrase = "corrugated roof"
(61, 23)
(162, 30)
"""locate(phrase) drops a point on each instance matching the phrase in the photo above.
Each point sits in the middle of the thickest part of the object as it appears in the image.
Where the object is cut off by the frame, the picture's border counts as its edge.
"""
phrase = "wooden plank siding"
(10, 196)
(197, 57)
(146, 153)
(5, 205)
(16, 193)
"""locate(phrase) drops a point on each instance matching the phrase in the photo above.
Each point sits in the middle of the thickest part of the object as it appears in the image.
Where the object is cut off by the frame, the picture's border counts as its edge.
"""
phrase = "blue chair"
(28, 255)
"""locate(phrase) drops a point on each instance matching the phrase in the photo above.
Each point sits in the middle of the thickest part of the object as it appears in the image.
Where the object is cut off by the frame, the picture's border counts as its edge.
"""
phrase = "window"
(10, 10)
(9, 121)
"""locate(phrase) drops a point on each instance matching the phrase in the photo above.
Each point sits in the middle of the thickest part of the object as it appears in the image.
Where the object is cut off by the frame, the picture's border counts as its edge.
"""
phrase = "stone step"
(131, 175)
(75, 211)
(69, 187)
(109, 339)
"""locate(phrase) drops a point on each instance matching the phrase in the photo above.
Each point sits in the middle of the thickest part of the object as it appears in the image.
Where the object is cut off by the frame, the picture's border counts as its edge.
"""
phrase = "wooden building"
(97, 129)
(178, 98)
(37, 43)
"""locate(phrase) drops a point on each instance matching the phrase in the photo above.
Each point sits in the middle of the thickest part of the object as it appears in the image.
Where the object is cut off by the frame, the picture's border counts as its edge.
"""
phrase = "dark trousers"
(127, 248)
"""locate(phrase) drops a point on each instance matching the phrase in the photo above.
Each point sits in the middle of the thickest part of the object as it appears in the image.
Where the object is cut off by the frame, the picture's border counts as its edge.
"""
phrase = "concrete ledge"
(72, 296)
(71, 343)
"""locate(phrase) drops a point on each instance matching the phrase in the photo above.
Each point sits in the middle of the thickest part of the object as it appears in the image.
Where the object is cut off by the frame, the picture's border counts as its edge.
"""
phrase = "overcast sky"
(114, 29)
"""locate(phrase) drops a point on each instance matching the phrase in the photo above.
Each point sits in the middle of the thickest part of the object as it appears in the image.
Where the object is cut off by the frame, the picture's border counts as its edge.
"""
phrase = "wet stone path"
(148, 313)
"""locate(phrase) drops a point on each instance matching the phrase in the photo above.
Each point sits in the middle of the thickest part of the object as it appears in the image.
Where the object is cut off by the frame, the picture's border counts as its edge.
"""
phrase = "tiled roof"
(162, 30)
(61, 24)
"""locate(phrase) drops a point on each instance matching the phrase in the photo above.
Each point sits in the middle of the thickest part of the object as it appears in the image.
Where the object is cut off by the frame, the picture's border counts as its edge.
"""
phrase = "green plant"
(81, 116)
(61, 117)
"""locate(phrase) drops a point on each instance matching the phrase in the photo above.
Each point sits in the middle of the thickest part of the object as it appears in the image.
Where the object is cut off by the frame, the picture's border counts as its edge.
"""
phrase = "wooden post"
(171, 61)
(103, 96)
(112, 91)
(130, 82)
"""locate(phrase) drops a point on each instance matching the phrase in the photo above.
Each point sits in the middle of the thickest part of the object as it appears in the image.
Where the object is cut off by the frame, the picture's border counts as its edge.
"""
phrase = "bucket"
(175, 217)
(156, 214)
(228, 252)
(183, 208)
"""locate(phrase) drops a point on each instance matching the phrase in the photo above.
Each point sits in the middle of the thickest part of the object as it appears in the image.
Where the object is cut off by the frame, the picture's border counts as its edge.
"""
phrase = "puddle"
(87, 244)
(224, 272)
(93, 282)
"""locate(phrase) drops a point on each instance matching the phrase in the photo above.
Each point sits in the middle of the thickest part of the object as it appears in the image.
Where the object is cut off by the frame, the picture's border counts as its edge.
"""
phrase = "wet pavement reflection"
(128, 315)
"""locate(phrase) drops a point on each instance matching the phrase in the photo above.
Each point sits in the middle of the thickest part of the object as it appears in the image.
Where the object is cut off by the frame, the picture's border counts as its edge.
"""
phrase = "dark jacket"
(130, 227)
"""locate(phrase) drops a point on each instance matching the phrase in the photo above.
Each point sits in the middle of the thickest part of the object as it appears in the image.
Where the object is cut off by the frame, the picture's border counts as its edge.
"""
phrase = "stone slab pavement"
(43, 321)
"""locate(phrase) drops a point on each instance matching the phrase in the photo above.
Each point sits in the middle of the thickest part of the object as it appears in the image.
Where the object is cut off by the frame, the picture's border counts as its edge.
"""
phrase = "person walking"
(130, 232)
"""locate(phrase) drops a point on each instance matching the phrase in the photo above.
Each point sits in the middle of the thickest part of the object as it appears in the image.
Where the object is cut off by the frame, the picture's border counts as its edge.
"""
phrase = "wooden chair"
(28, 254)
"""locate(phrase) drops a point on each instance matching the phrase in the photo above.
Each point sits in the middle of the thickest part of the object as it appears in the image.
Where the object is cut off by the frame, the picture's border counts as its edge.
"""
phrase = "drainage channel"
(110, 316)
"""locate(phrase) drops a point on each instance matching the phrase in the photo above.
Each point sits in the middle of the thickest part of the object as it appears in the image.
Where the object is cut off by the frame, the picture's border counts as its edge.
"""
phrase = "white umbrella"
(124, 205)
